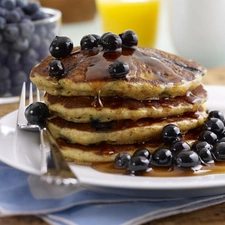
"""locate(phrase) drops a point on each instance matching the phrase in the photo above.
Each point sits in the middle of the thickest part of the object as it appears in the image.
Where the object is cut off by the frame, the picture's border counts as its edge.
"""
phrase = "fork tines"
(21, 119)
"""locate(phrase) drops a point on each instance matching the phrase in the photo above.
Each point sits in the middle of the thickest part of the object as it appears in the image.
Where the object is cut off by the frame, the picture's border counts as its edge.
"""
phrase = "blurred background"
(81, 17)
(73, 11)
(192, 29)
(189, 28)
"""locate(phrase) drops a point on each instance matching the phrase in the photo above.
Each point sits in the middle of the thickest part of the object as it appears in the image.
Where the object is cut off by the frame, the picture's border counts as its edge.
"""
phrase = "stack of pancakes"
(96, 116)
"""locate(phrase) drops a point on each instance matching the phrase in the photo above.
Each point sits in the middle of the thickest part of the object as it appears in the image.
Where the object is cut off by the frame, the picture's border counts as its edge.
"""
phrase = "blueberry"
(18, 77)
(29, 57)
(205, 155)
(21, 12)
(162, 157)
(138, 164)
(187, 159)
(31, 7)
(41, 30)
(39, 15)
(89, 42)
(198, 145)
(179, 146)
(3, 12)
(214, 124)
(37, 113)
(218, 151)
(143, 152)
(15, 90)
(129, 38)
(11, 33)
(208, 136)
(21, 3)
(118, 69)
(13, 16)
(4, 73)
(5, 86)
(8, 4)
(97, 37)
(216, 114)
(111, 42)
(35, 42)
(4, 51)
(56, 69)
(13, 61)
(170, 134)
(21, 45)
(61, 47)
(122, 160)
(26, 28)
(221, 134)
(2, 23)
(27, 67)
(103, 36)
(43, 48)
(221, 139)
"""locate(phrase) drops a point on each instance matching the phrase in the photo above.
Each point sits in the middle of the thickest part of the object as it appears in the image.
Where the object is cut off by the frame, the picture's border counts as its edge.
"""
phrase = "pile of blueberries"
(24, 43)
(209, 148)
(109, 42)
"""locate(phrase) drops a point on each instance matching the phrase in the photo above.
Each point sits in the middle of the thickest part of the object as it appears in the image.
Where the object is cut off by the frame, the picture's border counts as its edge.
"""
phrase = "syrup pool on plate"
(217, 168)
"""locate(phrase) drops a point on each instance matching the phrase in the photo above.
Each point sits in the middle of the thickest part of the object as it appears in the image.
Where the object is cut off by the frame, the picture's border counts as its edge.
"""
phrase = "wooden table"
(214, 215)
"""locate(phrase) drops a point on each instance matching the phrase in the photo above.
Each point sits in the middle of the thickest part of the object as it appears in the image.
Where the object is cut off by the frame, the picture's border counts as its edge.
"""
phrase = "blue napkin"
(24, 194)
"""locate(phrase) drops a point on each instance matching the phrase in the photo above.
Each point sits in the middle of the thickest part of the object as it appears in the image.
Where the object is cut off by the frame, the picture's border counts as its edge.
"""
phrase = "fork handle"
(56, 160)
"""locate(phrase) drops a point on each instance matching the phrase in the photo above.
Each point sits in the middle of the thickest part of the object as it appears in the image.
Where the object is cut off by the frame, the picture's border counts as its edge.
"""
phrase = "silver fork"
(54, 168)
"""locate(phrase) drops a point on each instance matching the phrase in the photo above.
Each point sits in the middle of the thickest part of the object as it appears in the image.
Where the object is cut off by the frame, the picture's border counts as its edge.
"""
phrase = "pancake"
(89, 155)
(122, 131)
(96, 115)
(154, 74)
(86, 109)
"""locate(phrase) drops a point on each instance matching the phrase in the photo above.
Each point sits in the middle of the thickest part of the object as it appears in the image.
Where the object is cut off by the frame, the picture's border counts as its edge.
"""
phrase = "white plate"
(20, 149)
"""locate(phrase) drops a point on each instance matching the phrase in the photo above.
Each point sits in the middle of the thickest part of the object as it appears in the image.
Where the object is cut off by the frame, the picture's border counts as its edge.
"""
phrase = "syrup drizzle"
(97, 74)
(196, 96)
(154, 64)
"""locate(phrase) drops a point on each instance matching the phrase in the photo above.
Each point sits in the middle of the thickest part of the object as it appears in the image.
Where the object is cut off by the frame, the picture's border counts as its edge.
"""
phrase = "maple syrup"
(215, 168)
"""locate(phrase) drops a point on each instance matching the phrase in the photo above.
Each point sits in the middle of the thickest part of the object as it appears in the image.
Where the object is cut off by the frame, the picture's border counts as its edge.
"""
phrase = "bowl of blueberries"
(26, 32)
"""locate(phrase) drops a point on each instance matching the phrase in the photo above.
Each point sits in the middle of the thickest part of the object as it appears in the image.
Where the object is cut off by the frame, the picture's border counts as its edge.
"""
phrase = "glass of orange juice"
(141, 16)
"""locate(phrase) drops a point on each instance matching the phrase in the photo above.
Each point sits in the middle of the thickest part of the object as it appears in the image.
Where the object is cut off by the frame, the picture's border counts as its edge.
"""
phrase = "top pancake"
(154, 74)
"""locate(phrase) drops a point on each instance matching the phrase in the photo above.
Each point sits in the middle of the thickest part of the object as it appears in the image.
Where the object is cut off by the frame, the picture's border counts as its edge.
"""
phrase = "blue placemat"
(23, 194)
